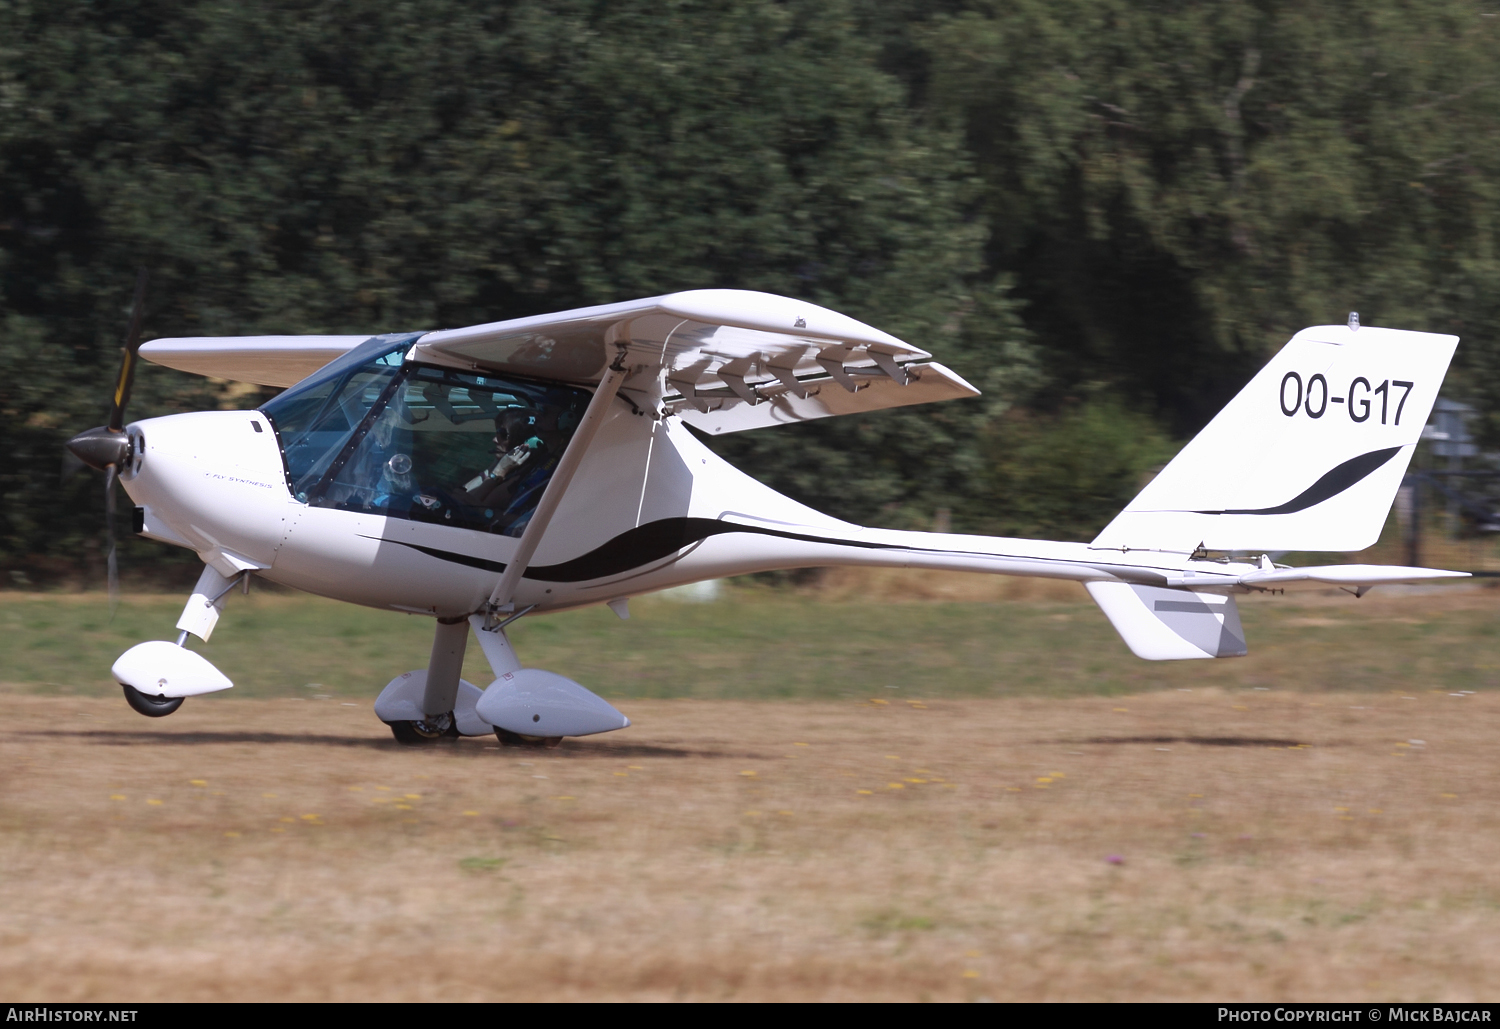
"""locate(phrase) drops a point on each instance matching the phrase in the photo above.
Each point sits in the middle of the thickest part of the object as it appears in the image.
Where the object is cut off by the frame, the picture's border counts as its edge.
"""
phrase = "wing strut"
(531, 537)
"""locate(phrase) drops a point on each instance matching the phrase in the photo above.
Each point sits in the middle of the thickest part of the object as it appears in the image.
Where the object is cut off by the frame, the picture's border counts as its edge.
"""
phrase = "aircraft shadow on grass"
(576, 749)
(1202, 741)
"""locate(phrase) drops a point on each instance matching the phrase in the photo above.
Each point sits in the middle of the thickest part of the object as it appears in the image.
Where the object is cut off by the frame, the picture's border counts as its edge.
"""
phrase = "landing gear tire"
(151, 707)
(511, 739)
(429, 730)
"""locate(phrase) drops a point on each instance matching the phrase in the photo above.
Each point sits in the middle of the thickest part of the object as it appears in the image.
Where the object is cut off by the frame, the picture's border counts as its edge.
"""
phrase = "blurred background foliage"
(1062, 475)
(1105, 214)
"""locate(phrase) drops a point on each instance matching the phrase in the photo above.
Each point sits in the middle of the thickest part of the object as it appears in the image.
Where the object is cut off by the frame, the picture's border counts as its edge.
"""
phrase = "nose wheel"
(151, 707)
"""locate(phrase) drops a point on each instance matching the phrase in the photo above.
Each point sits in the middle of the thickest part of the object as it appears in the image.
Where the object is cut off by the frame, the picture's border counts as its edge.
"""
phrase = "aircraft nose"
(101, 447)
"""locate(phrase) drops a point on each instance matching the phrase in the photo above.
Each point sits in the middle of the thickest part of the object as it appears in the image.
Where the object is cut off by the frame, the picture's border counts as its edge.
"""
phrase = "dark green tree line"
(356, 166)
(1179, 187)
(1106, 214)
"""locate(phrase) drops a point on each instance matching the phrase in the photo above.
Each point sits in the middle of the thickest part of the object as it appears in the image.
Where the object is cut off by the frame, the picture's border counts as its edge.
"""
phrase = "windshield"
(314, 418)
(444, 446)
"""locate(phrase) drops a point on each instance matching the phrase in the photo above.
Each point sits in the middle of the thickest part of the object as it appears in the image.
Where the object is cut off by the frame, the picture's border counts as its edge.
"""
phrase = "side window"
(457, 449)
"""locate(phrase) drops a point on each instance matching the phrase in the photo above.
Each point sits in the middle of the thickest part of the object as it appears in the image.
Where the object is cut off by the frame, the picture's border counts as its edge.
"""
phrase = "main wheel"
(511, 739)
(151, 707)
(426, 731)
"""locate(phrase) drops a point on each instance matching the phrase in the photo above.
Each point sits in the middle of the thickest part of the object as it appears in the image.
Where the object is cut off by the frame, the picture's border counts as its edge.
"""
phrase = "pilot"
(517, 446)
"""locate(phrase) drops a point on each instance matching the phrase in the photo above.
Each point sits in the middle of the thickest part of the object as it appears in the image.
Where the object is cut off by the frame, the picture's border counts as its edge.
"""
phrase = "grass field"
(1030, 814)
(848, 638)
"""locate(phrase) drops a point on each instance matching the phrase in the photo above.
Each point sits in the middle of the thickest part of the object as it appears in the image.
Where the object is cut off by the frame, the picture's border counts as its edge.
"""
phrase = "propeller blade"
(132, 347)
(109, 535)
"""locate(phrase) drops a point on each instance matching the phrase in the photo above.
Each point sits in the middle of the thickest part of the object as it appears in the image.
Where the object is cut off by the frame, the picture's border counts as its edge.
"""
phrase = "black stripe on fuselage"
(1330, 485)
(637, 547)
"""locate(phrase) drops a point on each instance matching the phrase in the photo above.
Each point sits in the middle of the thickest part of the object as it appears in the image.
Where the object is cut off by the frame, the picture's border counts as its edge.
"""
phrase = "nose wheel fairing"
(162, 669)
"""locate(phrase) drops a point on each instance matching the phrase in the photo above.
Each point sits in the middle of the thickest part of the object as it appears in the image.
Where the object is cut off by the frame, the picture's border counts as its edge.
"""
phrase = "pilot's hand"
(503, 467)
(511, 461)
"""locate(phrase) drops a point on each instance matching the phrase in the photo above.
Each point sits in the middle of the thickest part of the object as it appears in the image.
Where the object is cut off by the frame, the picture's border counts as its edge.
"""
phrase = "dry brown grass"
(1270, 846)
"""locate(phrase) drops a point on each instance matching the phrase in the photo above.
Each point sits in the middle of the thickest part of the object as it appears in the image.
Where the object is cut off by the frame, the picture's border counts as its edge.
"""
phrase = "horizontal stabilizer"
(1347, 575)
(1165, 624)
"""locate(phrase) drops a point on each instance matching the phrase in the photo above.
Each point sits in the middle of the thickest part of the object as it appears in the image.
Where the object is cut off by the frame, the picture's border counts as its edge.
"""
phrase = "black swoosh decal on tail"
(636, 547)
(1330, 485)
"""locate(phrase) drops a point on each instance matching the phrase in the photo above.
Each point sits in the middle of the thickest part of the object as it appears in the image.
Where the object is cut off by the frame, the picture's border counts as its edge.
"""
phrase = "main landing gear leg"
(441, 693)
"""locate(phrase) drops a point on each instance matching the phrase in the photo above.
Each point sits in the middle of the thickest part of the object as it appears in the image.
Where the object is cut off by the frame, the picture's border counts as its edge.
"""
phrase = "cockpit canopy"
(373, 434)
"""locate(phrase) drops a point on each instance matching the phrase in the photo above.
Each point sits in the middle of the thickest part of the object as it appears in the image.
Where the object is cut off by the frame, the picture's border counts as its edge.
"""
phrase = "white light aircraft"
(479, 474)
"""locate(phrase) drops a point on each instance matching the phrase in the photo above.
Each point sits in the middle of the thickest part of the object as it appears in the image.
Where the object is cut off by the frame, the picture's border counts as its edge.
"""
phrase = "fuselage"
(650, 507)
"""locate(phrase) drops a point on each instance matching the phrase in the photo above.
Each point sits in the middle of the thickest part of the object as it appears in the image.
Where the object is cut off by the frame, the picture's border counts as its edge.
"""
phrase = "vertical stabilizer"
(1308, 456)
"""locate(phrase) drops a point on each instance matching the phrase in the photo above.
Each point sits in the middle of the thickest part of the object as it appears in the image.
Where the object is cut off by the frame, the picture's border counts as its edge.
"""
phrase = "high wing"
(724, 360)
